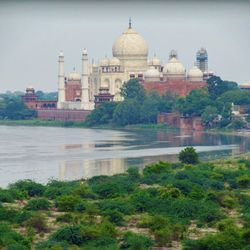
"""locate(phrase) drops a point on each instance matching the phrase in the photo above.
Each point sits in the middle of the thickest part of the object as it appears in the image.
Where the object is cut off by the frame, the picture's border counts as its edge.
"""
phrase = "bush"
(114, 216)
(111, 187)
(38, 222)
(243, 181)
(38, 204)
(157, 168)
(121, 205)
(6, 196)
(32, 188)
(8, 214)
(189, 156)
(134, 241)
(68, 217)
(67, 203)
(9, 239)
(69, 234)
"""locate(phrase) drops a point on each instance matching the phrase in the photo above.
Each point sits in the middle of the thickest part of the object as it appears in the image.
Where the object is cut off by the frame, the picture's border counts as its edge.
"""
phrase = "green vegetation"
(12, 108)
(137, 107)
(189, 156)
(199, 206)
(212, 103)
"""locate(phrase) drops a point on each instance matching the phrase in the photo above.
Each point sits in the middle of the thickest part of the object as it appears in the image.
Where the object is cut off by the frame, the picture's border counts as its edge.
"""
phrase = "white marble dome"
(114, 62)
(174, 67)
(152, 72)
(74, 76)
(152, 75)
(155, 61)
(195, 72)
(130, 44)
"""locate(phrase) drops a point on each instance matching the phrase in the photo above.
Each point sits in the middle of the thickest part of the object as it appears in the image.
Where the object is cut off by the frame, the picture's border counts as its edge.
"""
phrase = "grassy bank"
(203, 206)
(43, 123)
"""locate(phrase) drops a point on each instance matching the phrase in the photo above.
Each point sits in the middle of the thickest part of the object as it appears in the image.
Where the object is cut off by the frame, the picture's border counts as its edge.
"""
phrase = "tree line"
(212, 103)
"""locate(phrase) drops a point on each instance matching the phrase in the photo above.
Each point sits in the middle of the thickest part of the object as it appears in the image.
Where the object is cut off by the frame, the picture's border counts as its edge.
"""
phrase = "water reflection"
(41, 153)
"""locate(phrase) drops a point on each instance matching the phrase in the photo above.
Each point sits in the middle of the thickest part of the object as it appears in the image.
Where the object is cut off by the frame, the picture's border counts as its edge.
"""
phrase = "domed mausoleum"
(132, 50)
(129, 60)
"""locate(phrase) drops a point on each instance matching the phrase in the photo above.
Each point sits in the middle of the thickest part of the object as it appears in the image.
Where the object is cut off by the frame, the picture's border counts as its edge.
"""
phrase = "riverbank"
(43, 123)
(170, 205)
(73, 124)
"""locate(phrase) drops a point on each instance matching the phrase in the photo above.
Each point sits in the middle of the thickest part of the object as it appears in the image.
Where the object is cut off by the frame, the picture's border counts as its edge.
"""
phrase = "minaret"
(61, 84)
(85, 81)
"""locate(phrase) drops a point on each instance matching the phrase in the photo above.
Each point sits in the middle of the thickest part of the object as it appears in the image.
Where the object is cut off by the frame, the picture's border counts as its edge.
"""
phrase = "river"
(44, 153)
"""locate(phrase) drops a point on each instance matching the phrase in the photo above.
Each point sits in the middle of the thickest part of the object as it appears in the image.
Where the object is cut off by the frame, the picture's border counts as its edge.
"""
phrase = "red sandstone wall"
(72, 92)
(177, 87)
(40, 104)
(176, 121)
(62, 115)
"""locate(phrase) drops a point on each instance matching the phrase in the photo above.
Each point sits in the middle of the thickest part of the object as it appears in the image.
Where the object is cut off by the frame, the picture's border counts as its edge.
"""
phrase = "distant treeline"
(212, 103)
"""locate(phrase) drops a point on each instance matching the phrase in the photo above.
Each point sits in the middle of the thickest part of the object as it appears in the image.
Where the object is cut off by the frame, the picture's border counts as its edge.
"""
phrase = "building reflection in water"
(73, 170)
(85, 160)
(85, 169)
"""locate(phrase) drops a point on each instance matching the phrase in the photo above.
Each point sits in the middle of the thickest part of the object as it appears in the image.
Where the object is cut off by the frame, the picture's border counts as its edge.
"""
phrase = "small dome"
(30, 87)
(155, 61)
(105, 62)
(152, 73)
(74, 76)
(174, 67)
(195, 72)
(130, 43)
(114, 62)
(85, 52)
(173, 54)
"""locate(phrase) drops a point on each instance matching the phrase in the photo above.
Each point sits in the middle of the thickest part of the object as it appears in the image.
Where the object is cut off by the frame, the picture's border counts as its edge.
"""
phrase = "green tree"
(102, 114)
(149, 109)
(209, 115)
(127, 112)
(13, 108)
(217, 87)
(132, 89)
(194, 104)
(189, 156)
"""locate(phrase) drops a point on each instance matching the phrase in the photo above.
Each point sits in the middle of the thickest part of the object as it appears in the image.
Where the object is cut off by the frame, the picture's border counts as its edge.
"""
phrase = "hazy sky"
(33, 32)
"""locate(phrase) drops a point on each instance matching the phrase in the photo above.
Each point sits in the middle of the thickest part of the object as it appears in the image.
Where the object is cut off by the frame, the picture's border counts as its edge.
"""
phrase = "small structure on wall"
(32, 102)
(103, 96)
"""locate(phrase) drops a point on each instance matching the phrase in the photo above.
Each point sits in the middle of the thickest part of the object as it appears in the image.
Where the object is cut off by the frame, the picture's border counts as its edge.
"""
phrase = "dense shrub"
(114, 216)
(157, 168)
(86, 234)
(229, 239)
(189, 156)
(67, 203)
(136, 242)
(9, 239)
(32, 188)
(38, 204)
(38, 222)
(121, 205)
(6, 196)
(111, 187)
(243, 181)
(8, 214)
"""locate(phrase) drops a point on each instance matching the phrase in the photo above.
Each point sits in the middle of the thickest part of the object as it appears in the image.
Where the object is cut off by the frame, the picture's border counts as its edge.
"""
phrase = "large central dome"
(130, 44)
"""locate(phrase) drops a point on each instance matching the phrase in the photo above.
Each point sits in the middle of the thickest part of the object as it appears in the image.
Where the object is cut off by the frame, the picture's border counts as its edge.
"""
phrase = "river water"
(44, 153)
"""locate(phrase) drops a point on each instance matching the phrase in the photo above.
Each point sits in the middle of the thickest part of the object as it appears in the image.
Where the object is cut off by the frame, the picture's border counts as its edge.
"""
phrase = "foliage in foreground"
(104, 212)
